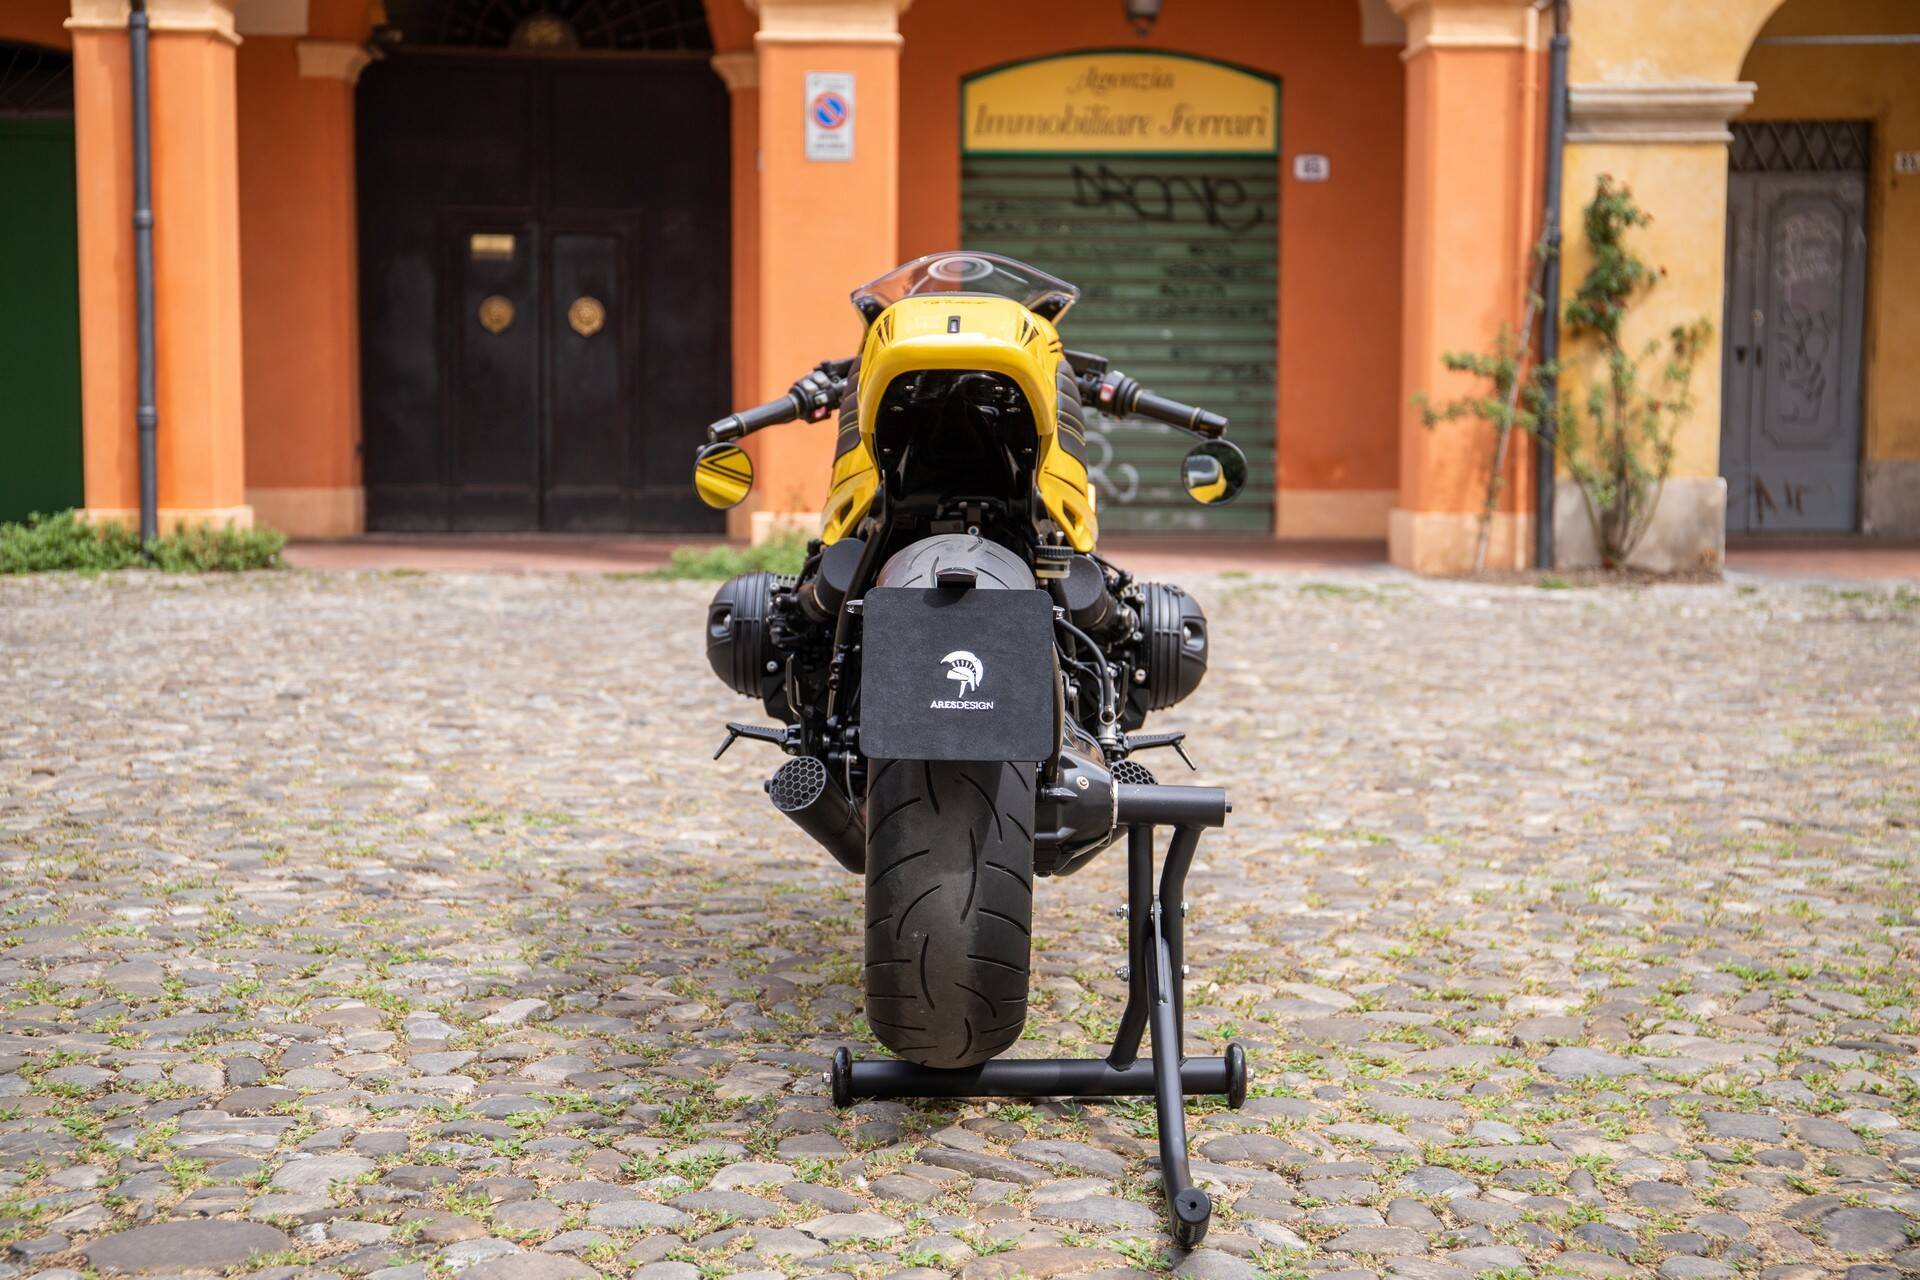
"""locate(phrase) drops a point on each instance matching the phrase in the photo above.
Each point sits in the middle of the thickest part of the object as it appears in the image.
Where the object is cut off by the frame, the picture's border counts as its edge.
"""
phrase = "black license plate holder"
(957, 674)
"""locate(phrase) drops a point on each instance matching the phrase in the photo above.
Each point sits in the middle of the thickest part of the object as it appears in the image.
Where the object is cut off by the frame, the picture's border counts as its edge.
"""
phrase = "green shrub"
(1622, 453)
(65, 543)
(776, 555)
(46, 544)
(204, 549)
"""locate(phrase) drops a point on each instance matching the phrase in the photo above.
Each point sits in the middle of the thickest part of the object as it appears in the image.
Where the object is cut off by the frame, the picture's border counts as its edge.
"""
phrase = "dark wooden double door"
(544, 285)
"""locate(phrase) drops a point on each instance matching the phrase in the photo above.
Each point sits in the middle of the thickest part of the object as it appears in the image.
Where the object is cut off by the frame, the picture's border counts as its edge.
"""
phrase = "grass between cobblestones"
(1568, 934)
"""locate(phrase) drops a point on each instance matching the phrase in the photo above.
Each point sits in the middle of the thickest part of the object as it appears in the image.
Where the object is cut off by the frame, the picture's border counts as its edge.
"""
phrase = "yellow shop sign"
(1120, 101)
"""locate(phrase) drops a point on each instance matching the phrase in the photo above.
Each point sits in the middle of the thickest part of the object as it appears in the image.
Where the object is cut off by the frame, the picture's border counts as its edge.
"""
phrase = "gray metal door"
(1796, 287)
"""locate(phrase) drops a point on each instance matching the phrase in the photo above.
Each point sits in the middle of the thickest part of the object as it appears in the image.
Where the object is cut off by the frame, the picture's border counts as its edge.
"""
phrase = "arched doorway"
(543, 194)
(1818, 435)
(39, 287)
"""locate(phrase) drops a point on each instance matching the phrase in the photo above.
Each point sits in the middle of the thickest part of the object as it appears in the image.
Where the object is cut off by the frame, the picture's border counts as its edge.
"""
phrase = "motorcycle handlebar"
(1118, 394)
(748, 421)
(816, 395)
(1174, 414)
(812, 397)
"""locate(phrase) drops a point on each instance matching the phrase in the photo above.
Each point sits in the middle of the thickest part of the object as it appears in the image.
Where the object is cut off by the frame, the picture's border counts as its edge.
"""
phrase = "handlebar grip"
(1174, 414)
(1116, 393)
(748, 421)
(813, 397)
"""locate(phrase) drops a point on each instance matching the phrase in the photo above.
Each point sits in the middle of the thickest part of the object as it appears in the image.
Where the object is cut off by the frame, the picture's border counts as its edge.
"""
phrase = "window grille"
(1802, 146)
(652, 25)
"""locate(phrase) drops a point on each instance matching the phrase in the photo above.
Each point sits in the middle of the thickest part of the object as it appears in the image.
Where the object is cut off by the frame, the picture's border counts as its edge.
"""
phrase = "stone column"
(202, 449)
(825, 226)
(1472, 132)
(740, 69)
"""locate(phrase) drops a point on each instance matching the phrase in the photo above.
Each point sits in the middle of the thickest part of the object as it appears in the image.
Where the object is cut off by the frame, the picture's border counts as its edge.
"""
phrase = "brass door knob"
(587, 316)
(496, 314)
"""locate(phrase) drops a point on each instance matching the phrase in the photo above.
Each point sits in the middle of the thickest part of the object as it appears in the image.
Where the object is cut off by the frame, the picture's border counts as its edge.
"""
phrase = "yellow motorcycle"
(962, 681)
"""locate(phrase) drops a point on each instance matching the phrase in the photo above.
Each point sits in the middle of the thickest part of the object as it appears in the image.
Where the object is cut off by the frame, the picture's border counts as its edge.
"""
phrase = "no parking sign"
(829, 115)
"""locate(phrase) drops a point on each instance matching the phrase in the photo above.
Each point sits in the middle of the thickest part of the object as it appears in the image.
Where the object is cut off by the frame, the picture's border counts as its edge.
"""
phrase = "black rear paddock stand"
(1156, 954)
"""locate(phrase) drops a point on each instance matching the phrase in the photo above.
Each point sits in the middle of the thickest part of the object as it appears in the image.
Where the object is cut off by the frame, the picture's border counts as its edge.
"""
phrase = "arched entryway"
(1819, 433)
(543, 196)
(39, 291)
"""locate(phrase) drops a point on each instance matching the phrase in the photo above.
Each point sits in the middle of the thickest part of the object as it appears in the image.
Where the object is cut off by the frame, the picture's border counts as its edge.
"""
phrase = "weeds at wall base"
(1595, 577)
(783, 555)
(64, 543)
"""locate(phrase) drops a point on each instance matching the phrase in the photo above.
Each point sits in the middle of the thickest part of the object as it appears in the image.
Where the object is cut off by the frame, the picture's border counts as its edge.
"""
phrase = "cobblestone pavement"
(400, 925)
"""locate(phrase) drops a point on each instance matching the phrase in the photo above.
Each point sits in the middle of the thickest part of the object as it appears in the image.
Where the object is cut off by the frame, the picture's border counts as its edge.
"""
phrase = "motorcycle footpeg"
(1149, 741)
(757, 732)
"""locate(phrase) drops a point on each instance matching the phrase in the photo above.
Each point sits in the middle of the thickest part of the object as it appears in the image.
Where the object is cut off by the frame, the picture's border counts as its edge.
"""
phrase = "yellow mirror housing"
(722, 475)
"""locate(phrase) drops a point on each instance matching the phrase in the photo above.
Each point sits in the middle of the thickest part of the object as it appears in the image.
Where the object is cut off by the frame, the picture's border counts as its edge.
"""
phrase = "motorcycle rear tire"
(949, 907)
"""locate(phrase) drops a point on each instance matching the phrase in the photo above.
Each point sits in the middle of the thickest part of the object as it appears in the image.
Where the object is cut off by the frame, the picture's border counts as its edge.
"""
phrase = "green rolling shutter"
(1177, 259)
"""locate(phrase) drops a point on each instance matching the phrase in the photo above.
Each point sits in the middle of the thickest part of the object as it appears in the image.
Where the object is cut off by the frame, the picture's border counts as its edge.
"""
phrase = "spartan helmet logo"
(965, 668)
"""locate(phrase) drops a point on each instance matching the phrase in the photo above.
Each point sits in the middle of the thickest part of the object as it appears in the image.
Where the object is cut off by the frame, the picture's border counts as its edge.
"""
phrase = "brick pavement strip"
(399, 925)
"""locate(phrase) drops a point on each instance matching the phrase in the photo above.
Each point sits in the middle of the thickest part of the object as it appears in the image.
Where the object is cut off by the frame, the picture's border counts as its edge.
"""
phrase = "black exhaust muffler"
(805, 791)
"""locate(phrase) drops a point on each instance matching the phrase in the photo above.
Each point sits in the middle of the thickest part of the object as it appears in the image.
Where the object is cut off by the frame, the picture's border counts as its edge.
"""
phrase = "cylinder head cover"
(739, 640)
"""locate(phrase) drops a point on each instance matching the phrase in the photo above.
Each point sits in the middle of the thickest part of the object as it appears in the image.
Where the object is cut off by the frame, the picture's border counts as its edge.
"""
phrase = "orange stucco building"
(451, 265)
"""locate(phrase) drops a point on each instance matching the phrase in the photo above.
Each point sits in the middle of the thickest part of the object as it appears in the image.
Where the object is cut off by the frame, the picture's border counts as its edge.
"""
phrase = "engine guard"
(957, 674)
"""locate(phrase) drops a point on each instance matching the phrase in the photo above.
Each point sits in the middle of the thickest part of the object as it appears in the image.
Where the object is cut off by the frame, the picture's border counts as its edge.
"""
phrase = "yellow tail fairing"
(961, 332)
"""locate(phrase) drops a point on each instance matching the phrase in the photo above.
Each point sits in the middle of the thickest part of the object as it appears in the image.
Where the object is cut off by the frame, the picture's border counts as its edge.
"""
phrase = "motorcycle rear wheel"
(949, 907)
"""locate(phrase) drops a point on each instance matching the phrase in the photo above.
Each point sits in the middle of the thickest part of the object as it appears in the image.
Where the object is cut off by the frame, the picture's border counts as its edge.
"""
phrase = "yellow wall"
(1654, 41)
(1683, 185)
(1684, 188)
(1881, 84)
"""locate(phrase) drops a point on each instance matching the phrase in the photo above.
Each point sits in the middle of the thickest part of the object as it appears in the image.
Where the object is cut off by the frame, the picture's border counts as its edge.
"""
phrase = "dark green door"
(1177, 261)
(39, 318)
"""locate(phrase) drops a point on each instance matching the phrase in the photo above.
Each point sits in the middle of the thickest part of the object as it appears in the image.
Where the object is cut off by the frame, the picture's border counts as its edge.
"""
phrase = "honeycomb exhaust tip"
(798, 784)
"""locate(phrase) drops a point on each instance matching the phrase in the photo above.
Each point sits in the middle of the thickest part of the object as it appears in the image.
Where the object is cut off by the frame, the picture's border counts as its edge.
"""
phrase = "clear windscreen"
(961, 272)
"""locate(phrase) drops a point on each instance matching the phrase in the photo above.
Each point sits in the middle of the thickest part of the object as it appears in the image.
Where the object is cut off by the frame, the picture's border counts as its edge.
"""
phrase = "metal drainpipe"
(146, 414)
(1544, 451)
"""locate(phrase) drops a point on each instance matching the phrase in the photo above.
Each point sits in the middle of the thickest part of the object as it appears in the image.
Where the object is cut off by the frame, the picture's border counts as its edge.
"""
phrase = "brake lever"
(1148, 741)
(780, 737)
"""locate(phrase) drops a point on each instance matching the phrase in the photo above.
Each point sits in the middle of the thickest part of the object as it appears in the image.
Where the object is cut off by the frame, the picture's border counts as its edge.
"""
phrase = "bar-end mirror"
(722, 474)
(1214, 472)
